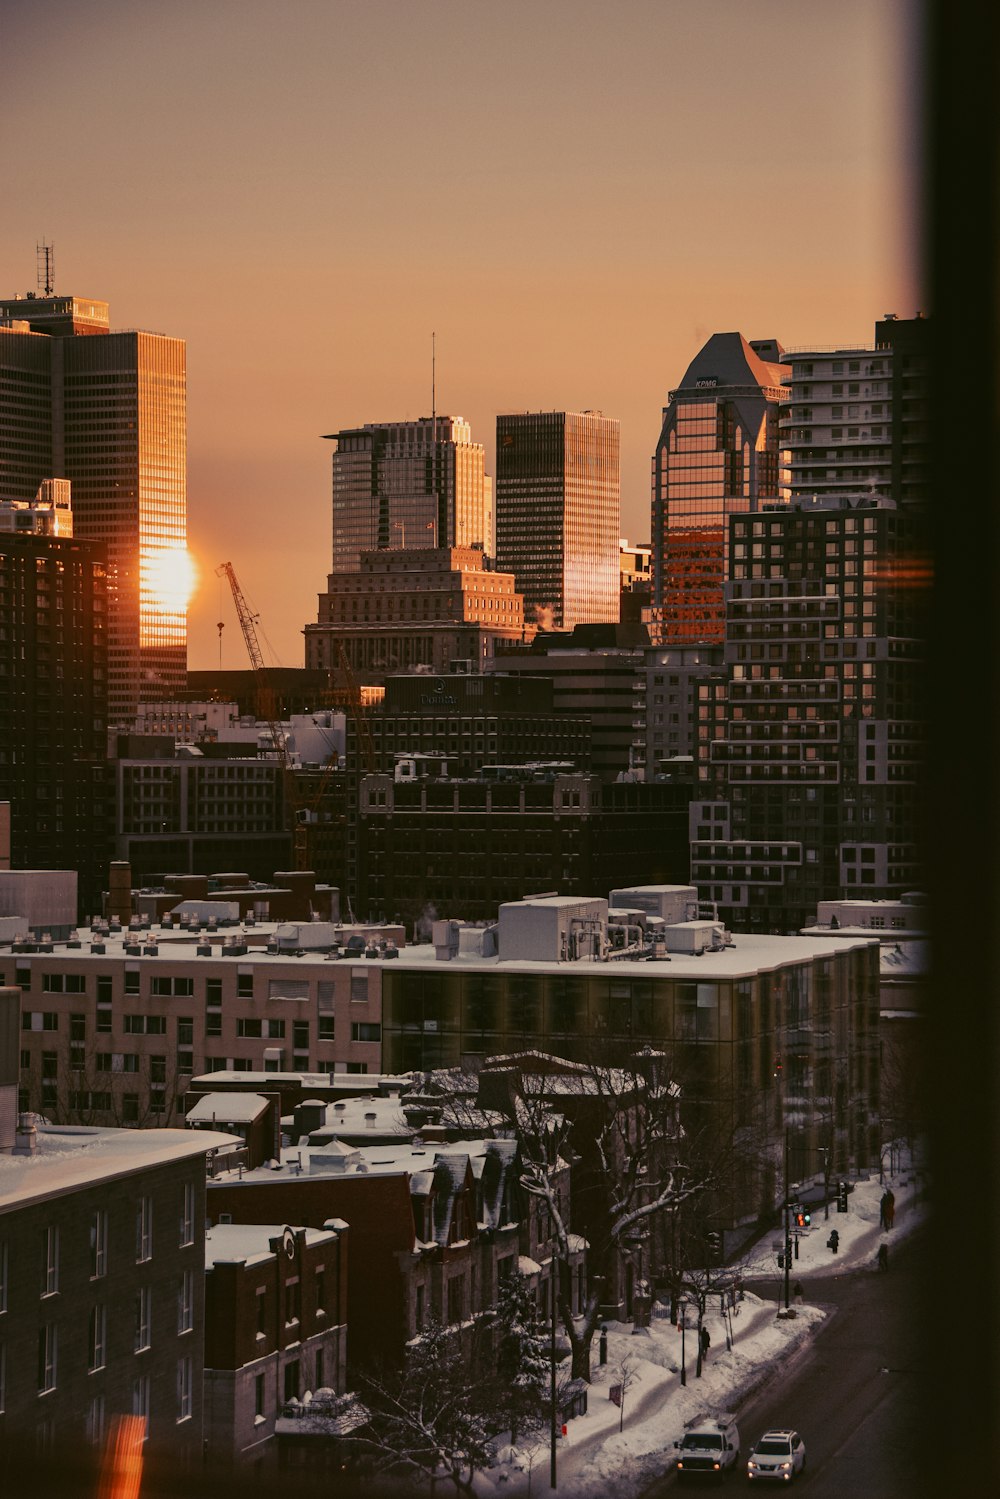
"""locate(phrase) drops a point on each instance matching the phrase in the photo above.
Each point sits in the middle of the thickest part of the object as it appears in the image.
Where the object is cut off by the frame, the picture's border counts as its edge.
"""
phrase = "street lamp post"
(682, 1313)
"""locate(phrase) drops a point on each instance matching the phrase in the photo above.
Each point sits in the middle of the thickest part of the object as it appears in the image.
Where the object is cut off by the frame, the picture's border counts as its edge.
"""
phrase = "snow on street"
(594, 1453)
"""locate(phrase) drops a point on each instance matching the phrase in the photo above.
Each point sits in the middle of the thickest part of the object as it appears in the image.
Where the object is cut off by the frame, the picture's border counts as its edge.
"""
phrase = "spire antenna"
(45, 268)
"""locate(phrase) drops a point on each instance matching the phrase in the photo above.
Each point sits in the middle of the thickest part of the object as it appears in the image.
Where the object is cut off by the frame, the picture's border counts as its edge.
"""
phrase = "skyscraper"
(717, 455)
(408, 485)
(107, 410)
(558, 514)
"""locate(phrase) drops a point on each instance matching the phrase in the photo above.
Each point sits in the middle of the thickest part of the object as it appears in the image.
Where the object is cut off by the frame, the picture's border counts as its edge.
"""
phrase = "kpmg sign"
(709, 383)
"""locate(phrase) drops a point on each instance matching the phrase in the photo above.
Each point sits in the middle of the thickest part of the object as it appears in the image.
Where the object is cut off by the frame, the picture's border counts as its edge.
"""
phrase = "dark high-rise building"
(107, 410)
(717, 456)
(53, 706)
(810, 782)
(558, 514)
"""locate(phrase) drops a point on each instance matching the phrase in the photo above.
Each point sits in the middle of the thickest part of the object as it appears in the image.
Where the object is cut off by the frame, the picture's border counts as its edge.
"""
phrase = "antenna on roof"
(45, 268)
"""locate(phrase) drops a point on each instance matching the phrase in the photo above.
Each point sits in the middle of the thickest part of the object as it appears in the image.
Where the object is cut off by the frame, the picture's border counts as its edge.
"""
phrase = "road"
(854, 1392)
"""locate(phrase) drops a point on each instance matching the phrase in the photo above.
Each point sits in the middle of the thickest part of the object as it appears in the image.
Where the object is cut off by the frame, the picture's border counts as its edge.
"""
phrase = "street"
(854, 1394)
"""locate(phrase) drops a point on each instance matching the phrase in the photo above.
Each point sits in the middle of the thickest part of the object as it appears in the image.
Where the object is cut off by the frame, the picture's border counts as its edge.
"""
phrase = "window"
(50, 1261)
(362, 1031)
(275, 1030)
(300, 1035)
(38, 1020)
(47, 1351)
(132, 981)
(140, 1397)
(185, 1302)
(97, 1340)
(456, 1298)
(162, 985)
(248, 1027)
(419, 1312)
(320, 1369)
(320, 1291)
(244, 985)
(261, 1311)
(359, 985)
(142, 1308)
(185, 1031)
(184, 1388)
(187, 1214)
(258, 1398)
(144, 1229)
(292, 1380)
(325, 1028)
(292, 1301)
(95, 1421)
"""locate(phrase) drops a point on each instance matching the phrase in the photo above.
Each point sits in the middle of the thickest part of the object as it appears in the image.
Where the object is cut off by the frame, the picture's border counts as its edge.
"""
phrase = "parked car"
(779, 1455)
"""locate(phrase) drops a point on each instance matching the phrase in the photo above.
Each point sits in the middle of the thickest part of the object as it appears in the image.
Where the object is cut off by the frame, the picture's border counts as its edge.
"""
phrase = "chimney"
(120, 891)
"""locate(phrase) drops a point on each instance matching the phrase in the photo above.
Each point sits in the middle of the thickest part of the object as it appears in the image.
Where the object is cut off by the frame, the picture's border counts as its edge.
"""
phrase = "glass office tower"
(559, 515)
(717, 456)
(107, 410)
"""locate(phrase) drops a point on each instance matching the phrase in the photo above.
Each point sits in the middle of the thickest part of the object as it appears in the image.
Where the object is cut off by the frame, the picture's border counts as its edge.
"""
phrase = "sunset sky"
(572, 195)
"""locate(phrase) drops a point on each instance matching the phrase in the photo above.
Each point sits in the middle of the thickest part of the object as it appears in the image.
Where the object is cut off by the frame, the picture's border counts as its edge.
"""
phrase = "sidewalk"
(595, 1455)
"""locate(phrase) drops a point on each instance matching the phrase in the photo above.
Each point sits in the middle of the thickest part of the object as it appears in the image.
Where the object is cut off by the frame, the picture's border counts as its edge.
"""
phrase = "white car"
(779, 1455)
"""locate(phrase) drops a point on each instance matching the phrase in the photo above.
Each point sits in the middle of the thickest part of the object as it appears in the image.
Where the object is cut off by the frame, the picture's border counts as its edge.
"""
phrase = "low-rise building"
(275, 1329)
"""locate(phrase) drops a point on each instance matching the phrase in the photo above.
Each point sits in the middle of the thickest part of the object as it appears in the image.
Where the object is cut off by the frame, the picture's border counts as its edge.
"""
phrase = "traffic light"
(803, 1218)
(841, 1197)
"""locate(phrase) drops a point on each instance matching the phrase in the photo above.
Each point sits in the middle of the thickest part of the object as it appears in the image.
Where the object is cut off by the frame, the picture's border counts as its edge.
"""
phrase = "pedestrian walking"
(797, 1292)
(890, 1209)
(705, 1343)
(883, 1256)
(883, 1210)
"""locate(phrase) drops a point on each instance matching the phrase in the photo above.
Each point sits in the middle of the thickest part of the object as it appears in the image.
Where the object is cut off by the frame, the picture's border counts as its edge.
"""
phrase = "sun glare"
(170, 577)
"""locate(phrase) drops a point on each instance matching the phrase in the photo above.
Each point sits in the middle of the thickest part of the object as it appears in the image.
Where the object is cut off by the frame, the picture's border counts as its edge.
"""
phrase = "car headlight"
(751, 1464)
(786, 1465)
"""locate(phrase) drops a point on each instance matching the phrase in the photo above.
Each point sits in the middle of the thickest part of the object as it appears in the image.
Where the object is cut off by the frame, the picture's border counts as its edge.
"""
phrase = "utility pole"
(552, 1376)
(788, 1238)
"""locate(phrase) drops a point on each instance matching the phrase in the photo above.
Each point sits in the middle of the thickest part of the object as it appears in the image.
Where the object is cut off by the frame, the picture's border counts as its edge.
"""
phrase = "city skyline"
(571, 208)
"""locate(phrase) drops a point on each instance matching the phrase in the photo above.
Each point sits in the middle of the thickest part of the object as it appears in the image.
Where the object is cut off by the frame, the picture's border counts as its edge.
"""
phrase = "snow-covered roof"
(72, 1157)
(227, 1108)
(228, 1243)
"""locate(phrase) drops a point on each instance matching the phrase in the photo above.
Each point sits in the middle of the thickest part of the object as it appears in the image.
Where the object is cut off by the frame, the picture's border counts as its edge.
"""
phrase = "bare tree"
(620, 1127)
(428, 1419)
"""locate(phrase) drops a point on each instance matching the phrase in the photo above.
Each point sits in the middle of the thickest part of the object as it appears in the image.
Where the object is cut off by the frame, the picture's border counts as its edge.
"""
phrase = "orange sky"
(573, 195)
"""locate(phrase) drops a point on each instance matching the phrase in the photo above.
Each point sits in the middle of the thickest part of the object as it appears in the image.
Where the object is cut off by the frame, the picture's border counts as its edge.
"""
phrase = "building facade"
(558, 514)
(107, 411)
(811, 776)
(717, 456)
(856, 419)
(413, 485)
(418, 609)
(54, 704)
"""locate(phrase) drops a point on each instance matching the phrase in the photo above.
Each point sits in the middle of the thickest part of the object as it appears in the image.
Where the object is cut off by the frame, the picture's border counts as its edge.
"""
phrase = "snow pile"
(595, 1457)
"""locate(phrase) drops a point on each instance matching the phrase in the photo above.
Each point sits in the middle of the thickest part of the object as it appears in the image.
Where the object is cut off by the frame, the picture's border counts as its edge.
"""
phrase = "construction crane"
(266, 710)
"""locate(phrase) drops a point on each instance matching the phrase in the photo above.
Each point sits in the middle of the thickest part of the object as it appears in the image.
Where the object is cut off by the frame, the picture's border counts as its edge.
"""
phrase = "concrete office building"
(414, 609)
(717, 456)
(413, 485)
(107, 411)
(558, 514)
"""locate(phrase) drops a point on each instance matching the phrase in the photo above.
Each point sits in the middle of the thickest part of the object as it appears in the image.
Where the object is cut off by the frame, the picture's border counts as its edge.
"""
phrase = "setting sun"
(169, 576)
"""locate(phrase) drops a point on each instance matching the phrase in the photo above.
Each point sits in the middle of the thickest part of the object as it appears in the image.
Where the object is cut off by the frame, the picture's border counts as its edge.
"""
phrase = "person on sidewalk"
(883, 1256)
(890, 1208)
(705, 1343)
(797, 1292)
